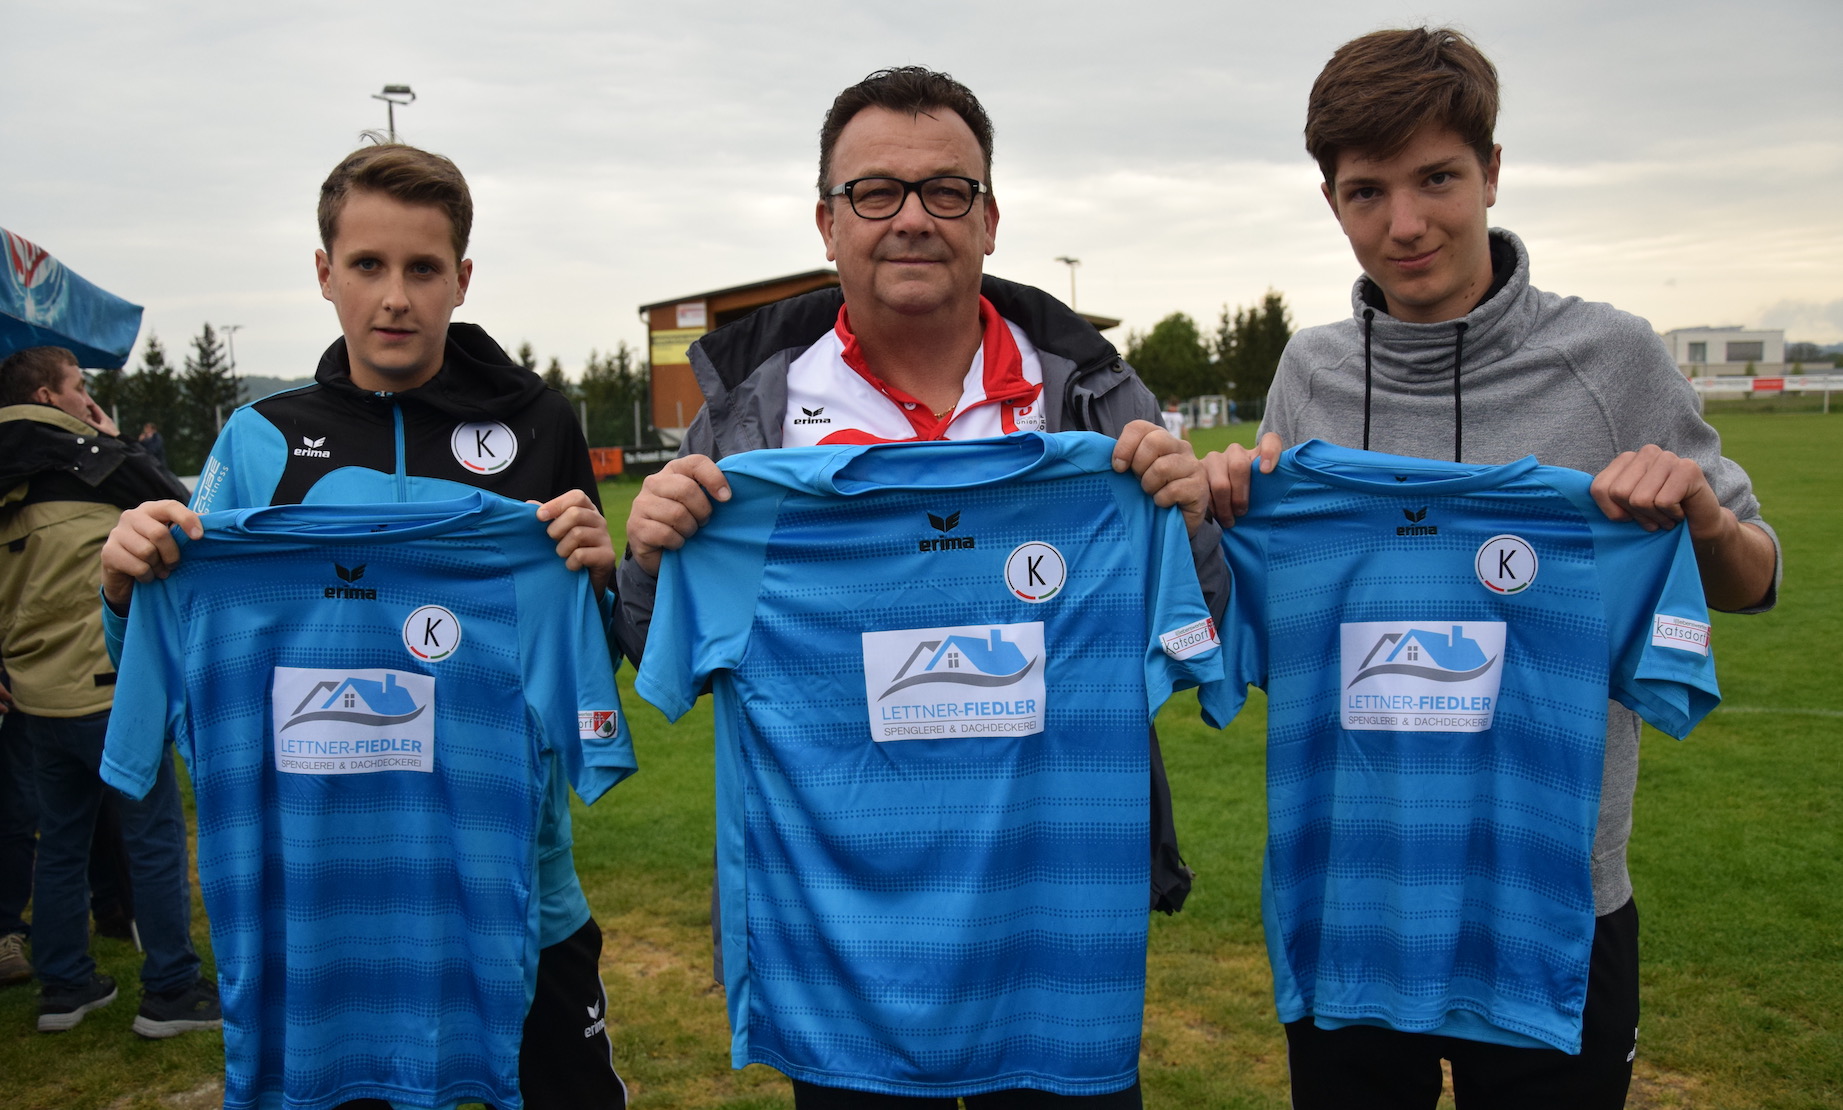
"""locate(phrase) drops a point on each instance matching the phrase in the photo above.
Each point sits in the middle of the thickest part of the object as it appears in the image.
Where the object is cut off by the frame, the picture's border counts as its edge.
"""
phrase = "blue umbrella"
(43, 303)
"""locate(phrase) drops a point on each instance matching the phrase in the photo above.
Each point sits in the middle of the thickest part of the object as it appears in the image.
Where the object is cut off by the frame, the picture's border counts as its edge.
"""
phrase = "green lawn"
(1737, 858)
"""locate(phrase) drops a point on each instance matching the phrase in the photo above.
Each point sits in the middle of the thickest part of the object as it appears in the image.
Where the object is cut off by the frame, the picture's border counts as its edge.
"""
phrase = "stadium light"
(392, 96)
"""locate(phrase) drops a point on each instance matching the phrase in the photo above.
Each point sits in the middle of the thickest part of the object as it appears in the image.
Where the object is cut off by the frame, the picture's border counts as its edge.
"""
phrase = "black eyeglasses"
(946, 197)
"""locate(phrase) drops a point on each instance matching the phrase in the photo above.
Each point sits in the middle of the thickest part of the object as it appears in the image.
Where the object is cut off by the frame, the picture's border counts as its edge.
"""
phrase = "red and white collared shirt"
(834, 397)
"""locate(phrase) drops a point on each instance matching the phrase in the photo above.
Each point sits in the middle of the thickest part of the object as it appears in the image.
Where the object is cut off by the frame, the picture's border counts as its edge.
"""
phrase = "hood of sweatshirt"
(477, 381)
(1499, 325)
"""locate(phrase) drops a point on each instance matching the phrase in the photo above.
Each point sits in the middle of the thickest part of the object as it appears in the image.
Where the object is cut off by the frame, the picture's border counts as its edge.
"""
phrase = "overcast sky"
(1683, 160)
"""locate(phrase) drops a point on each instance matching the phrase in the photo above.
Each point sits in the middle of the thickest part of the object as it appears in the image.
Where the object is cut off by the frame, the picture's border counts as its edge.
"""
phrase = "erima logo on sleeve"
(966, 680)
(333, 722)
(1681, 633)
(1420, 676)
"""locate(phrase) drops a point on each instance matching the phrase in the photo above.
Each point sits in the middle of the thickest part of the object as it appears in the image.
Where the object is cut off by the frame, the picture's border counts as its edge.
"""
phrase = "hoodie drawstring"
(1369, 380)
(1458, 361)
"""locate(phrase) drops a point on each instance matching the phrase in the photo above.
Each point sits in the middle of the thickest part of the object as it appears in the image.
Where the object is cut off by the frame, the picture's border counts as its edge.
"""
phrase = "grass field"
(1737, 859)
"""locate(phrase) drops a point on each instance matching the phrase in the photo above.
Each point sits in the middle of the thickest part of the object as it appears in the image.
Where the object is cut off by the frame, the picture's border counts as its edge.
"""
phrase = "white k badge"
(947, 683)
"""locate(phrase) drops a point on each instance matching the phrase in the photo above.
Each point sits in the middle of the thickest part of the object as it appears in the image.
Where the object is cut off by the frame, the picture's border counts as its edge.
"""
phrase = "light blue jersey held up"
(934, 665)
(369, 702)
(1438, 642)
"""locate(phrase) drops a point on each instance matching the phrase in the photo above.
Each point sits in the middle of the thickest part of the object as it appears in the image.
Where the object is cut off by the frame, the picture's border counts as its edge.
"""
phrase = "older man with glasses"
(915, 345)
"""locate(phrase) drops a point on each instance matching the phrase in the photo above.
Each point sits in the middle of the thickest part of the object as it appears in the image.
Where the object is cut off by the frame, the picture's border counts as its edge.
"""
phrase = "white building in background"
(1707, 352)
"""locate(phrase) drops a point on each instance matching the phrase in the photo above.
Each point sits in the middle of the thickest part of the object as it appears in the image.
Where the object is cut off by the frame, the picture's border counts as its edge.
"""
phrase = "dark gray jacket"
(742, 369)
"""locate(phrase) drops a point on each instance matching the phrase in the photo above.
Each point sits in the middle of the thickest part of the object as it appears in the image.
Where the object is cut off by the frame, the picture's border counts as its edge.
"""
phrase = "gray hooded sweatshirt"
(1572, 382)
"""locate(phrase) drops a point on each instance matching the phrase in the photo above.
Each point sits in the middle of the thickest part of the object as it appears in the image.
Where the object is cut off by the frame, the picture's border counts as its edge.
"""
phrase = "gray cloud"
(171, 152)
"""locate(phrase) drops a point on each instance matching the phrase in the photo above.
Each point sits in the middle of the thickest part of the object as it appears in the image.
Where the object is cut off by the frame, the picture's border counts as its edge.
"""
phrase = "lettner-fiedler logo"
(351, 590)
(944, 525)
(813, 416)
(312, 449)
(1414, 527)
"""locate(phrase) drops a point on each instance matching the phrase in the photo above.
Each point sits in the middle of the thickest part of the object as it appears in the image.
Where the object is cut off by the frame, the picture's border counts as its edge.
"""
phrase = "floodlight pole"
(1071, 263)
(392, 96)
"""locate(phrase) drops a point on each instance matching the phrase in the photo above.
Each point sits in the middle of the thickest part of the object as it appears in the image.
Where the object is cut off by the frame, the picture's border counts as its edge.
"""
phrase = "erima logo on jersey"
(1414, 527)
(945, 524)
(311, 449)
(352, 591)
(352, 722)
(813, 416)
(967, 680)
(1420, 676)
(597, 1021)
(1681, 633)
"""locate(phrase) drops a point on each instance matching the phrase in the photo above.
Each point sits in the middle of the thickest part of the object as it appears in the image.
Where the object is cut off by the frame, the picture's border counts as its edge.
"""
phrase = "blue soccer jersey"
(1438, 643)
(934, 667)
(368, 701)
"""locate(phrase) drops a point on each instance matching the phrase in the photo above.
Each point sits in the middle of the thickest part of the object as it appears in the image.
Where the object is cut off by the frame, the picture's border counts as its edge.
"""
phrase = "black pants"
(1382, 1069)
(810, 1097)
(566, 1061)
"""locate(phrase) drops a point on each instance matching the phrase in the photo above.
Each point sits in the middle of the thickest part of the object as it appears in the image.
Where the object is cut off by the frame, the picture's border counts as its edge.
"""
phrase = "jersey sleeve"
(704, 607)
(569, 674)
(1244, 635)
(149, 692)
(230, 479)
(1662, 666)
(244, 466)
(1184, 648)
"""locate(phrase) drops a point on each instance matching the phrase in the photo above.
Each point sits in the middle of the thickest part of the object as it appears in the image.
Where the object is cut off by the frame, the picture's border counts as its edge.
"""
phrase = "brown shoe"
(14, 967)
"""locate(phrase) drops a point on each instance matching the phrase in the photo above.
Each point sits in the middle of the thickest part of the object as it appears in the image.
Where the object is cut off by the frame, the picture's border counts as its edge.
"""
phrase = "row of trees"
(610, 392)
(188, 404)
(1177, 361)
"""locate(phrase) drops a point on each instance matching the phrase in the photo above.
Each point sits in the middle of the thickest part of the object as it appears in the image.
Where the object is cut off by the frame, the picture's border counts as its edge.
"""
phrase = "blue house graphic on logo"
(1457, 652)
(359, 701)
(965, 661)
(994, 656)
(385, 698)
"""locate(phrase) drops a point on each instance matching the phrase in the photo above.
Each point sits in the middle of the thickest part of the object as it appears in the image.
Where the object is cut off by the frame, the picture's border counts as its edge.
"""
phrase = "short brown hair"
(25, 370)
(910, 89)
(1378, 91)
(404, 173)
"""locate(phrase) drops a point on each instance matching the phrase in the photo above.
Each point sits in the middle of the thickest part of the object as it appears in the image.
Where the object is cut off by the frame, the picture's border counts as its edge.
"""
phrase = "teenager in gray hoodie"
(1450, 353)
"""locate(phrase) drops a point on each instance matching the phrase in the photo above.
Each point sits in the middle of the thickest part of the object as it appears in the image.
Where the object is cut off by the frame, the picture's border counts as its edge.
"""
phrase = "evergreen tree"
(527, 357)
(611, 386)
(209, 390)
(553, 377)
(1248, 346)
(1172, 360)
(151, 394)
